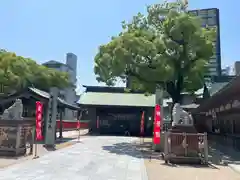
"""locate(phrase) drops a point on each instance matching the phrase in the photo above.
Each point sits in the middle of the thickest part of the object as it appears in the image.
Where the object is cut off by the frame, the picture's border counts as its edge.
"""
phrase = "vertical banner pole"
(38, 127)
(79, 126)
(35, 151)
(157, 125)
(98, 124)
(142, 128)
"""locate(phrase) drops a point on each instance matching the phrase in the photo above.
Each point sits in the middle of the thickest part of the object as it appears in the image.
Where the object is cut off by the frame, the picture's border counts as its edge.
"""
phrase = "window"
(212, 12)
(203, 13)
(214, 45)
(213, 60)
(214, 56)
(194, 13)
(212, 69)
(212, 21)
(213, 73)
(204, 22)
(213, 65)
(69, 55)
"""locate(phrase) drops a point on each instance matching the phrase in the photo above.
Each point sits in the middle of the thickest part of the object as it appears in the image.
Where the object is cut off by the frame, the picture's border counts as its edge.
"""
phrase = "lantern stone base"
(14, 135)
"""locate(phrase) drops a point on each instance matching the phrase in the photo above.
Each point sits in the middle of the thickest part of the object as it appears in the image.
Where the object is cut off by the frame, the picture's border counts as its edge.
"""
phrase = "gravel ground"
(158, 170)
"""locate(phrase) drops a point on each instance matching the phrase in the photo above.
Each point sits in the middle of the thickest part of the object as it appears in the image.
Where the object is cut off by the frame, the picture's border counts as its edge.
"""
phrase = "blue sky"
(48, 29)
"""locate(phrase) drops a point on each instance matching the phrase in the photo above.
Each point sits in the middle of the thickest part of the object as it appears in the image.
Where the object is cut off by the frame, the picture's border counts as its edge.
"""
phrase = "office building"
(237, 68)
(210, 18)
(68, 94)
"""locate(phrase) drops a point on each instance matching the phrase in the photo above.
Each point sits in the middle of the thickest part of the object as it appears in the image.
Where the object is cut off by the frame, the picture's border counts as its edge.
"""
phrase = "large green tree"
(167, 46)
(17, 73)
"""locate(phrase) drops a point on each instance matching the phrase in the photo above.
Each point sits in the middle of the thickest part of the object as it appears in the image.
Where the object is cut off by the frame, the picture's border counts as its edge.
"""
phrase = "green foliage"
(167, 46)
(17, 72)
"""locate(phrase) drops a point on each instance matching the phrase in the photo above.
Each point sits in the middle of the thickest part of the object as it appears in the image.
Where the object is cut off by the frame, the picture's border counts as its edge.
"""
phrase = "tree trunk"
(174, 90)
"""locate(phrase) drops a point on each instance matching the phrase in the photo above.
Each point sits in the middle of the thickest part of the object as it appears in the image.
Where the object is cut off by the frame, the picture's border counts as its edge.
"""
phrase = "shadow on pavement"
(144, 150)
(223, 155)
(134, 149)
(124, 149)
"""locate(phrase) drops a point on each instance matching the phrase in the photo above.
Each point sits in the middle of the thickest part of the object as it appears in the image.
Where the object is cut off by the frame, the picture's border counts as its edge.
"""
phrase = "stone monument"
(181, 117)
(183, 134)
(14, 130)
(14, 112)
(51, 118)
(182, 120)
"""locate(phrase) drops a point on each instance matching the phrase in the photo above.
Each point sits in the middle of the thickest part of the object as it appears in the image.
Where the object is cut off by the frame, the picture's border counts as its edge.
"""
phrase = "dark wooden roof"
(38, 94)
(222, 96)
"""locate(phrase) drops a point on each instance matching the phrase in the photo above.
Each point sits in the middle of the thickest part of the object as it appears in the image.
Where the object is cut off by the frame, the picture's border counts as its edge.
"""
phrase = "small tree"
(167, 46)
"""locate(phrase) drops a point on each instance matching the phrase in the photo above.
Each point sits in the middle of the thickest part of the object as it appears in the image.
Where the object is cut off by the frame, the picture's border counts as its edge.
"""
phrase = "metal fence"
(185, 147)
(166, 126)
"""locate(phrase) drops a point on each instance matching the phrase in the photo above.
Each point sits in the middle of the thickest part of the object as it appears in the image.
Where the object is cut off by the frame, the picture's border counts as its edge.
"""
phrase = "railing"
(186, 146)
(166, 126)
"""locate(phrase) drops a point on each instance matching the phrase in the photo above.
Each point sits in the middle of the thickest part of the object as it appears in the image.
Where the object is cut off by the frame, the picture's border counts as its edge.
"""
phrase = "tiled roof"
(47, 96)
(118, 99)
(213, 88)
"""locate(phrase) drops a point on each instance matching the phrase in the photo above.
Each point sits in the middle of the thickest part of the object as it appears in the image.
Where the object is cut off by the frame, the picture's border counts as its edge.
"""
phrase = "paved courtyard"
(95, 158)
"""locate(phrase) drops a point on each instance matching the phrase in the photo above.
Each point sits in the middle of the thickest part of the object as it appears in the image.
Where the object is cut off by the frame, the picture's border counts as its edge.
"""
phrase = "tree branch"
(189, 64)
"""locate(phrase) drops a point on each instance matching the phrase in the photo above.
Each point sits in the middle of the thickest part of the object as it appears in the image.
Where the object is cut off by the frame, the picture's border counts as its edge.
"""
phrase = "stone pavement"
(95, 158)
(41, 150)
(73, 133)
(227, 155)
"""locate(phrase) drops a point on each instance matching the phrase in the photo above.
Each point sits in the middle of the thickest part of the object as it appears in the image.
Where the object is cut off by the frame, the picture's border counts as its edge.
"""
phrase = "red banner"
(78, 124)
(142, 125)
(97, 122)
(157, 122)
(39, 111)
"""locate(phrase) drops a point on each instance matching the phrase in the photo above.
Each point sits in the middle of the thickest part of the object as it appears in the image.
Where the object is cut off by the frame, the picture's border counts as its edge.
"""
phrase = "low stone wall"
(14, 135)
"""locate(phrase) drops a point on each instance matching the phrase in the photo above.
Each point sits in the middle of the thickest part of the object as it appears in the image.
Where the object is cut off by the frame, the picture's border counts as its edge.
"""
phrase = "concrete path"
(95, 158)
(73, 133)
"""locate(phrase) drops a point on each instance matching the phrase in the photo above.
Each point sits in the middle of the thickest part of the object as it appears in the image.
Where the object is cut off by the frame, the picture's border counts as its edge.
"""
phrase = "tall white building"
(226, 71)
(68, 94)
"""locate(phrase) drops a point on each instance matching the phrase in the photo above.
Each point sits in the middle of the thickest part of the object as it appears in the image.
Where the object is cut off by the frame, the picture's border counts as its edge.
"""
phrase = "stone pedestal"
(14, 134)
(183, 128)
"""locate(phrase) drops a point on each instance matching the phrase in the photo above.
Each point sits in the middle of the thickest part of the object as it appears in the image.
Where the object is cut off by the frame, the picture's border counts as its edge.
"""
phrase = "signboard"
(157, 122)
(39, 111)
(142, 124)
